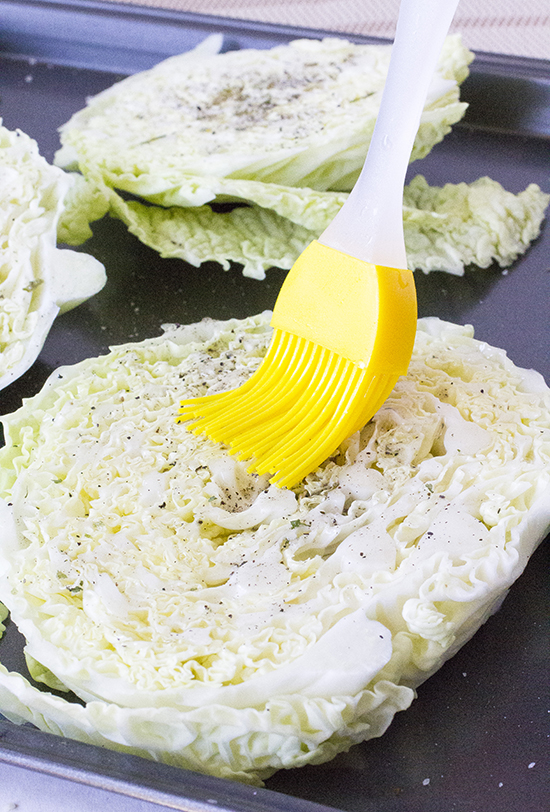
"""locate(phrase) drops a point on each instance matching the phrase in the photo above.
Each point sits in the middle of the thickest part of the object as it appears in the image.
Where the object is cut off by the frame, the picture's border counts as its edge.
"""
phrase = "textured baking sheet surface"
(475, 738)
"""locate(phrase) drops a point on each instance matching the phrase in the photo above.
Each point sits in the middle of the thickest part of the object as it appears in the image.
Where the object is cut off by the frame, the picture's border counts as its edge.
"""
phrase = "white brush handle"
(370, 224)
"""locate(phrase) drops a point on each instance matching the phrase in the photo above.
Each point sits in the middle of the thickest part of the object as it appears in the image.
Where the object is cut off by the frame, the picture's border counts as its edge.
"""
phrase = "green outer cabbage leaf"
(446, 228)
(84, 203)
(3, 615)
(447, 490)
(308, 109)
(278, 182)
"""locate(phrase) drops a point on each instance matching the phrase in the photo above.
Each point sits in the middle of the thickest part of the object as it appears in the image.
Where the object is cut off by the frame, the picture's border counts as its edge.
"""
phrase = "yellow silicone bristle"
(290, 416)
(333, 359)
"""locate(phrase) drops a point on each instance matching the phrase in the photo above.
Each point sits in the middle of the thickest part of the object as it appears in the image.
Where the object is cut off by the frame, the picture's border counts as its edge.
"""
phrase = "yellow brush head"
(344, 332)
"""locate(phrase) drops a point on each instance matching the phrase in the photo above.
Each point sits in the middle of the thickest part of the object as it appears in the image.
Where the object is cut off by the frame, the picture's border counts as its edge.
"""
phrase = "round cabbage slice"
(299, 114)
(212, 621)
(37, 279)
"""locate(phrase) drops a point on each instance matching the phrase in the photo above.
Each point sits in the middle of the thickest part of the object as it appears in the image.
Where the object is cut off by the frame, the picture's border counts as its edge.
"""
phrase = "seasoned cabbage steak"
(215, 622)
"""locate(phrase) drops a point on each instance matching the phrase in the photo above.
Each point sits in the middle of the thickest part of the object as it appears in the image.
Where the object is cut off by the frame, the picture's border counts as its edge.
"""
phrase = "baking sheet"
(475, 739)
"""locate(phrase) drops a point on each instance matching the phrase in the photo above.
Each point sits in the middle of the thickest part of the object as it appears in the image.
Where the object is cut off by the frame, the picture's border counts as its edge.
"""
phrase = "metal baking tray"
(474, 740)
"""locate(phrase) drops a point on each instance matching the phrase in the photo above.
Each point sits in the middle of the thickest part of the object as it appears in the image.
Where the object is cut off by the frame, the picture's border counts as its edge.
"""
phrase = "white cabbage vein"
(216, 622)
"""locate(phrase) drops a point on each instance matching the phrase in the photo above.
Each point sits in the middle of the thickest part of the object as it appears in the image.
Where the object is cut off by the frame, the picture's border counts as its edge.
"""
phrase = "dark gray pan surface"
(478, 730)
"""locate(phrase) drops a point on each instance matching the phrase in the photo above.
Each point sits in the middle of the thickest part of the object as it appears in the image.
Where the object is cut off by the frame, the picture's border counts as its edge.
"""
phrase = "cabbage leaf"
(282, 135)
(446, 228)
(3, 615)
(84, 203)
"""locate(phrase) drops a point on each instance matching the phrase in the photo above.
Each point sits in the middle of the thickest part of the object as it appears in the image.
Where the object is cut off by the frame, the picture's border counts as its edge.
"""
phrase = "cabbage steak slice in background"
(37, 280)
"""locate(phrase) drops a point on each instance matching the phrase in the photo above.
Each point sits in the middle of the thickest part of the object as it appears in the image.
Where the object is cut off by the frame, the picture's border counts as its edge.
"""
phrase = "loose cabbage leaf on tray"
(3, 615)
(447, 228)
(216, 623)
